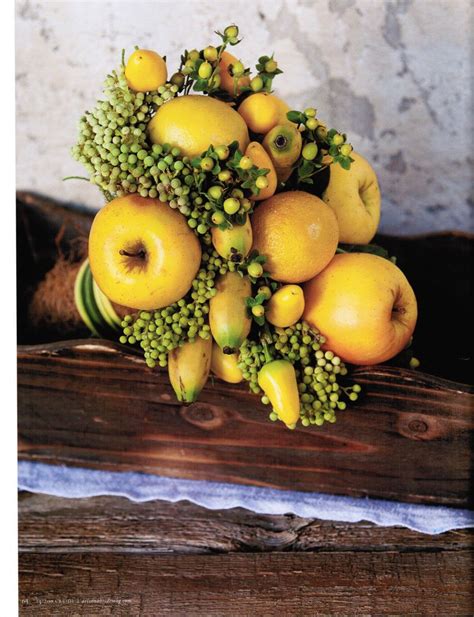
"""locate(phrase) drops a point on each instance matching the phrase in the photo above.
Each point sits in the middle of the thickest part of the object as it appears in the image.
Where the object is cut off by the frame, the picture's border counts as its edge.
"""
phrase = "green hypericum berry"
(218, 217)
(261, 182)
(205, 70)
(271, 66)
(266, 291)
(222, 153)
(177, 79)
(245, 163)
(193, 55)
(188, 67)
(256, 84)
(246, 204)
(207, 163)
(224, 175)
(231, 205)
(312, 124)
(258, 311)
(357, 388)
(414, 363)
(238, 69)
(310, 151)
(353, 396)
(338, 139)
(255, 269)
(215, 192)
(310, 112)
(210, 53)
(215, 81)
(237, 193)
(346, 149)
(321, 132)
(231, 32)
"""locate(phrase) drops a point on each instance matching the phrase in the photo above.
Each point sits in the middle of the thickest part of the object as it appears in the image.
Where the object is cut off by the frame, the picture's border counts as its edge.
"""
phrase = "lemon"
(145, 71)
(194, 122)
(297, 232)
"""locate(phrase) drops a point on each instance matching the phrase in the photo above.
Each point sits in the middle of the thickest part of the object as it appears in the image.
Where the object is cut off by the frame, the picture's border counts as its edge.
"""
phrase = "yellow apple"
(363, 305)
(142, 253)
(354, 195)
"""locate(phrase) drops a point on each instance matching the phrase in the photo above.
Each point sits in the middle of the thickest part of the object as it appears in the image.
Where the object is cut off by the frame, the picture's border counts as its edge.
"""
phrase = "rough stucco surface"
(395, 75)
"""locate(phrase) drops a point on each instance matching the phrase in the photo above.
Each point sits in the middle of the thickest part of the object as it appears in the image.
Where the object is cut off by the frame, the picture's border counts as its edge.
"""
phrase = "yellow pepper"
(278, 380)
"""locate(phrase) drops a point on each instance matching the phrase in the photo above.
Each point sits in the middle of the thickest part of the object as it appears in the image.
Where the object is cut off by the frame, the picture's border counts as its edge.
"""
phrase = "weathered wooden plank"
(93, 404)
(115, 524)
(247, 584)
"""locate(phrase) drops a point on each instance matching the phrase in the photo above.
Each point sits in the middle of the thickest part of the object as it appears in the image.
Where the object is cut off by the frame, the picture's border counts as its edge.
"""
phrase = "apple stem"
(141, 253)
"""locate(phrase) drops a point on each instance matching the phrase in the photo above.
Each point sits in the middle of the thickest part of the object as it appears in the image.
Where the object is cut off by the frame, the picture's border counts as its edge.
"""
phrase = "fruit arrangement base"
(94, 403)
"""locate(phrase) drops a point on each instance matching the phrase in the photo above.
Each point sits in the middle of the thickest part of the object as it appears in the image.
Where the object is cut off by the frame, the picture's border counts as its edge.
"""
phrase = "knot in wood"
(418, 426)
(204, 416)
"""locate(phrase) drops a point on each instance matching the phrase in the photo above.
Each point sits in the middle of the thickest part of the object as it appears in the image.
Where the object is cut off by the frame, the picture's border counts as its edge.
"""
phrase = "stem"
(141, 253)
(268, 356)
(76, 178)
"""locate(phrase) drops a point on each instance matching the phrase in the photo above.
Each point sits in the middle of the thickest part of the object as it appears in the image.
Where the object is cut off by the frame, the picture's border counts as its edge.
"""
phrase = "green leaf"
(249, 302)
(373, 249)
(344, 162)
(296, 116)
(260, 320)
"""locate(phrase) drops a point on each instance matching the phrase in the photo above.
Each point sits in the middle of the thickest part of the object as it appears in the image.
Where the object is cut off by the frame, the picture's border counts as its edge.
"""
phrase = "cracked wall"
(395, 75)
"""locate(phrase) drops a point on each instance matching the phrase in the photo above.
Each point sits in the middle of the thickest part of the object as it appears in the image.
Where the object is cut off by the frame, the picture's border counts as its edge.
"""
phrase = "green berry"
(258, 311)
(225, 175)
(245, 163)
(205, 70)
(310, 151)
(207, 163)
(310, 112)
(215, 192)
(193, 55)
(178, 79)
(266, 291)
(238, 69)
(231, 205)
(271, 66)
(414, 363)
(346, 149)
(338, 139)
(210, 53)
(231, 32)
(222, 153)
(312, 124)
(218, 217)
(256, 84)
(261, 182)
(255, 269)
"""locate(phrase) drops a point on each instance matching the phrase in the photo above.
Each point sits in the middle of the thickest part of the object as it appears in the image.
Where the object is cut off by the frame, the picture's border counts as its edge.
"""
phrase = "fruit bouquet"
(235, 237)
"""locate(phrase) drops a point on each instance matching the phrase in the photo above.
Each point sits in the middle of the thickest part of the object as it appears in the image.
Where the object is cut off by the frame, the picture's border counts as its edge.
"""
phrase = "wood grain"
(114, 524)
(294, 584)
(94, 404)
(108, 556)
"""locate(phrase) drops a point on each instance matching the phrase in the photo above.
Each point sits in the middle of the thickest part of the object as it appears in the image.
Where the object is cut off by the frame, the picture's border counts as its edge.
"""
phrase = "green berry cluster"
(226, 180)
(159, 332)
(112, 143)
(211, 190)
(317, 371)
(318, 145)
